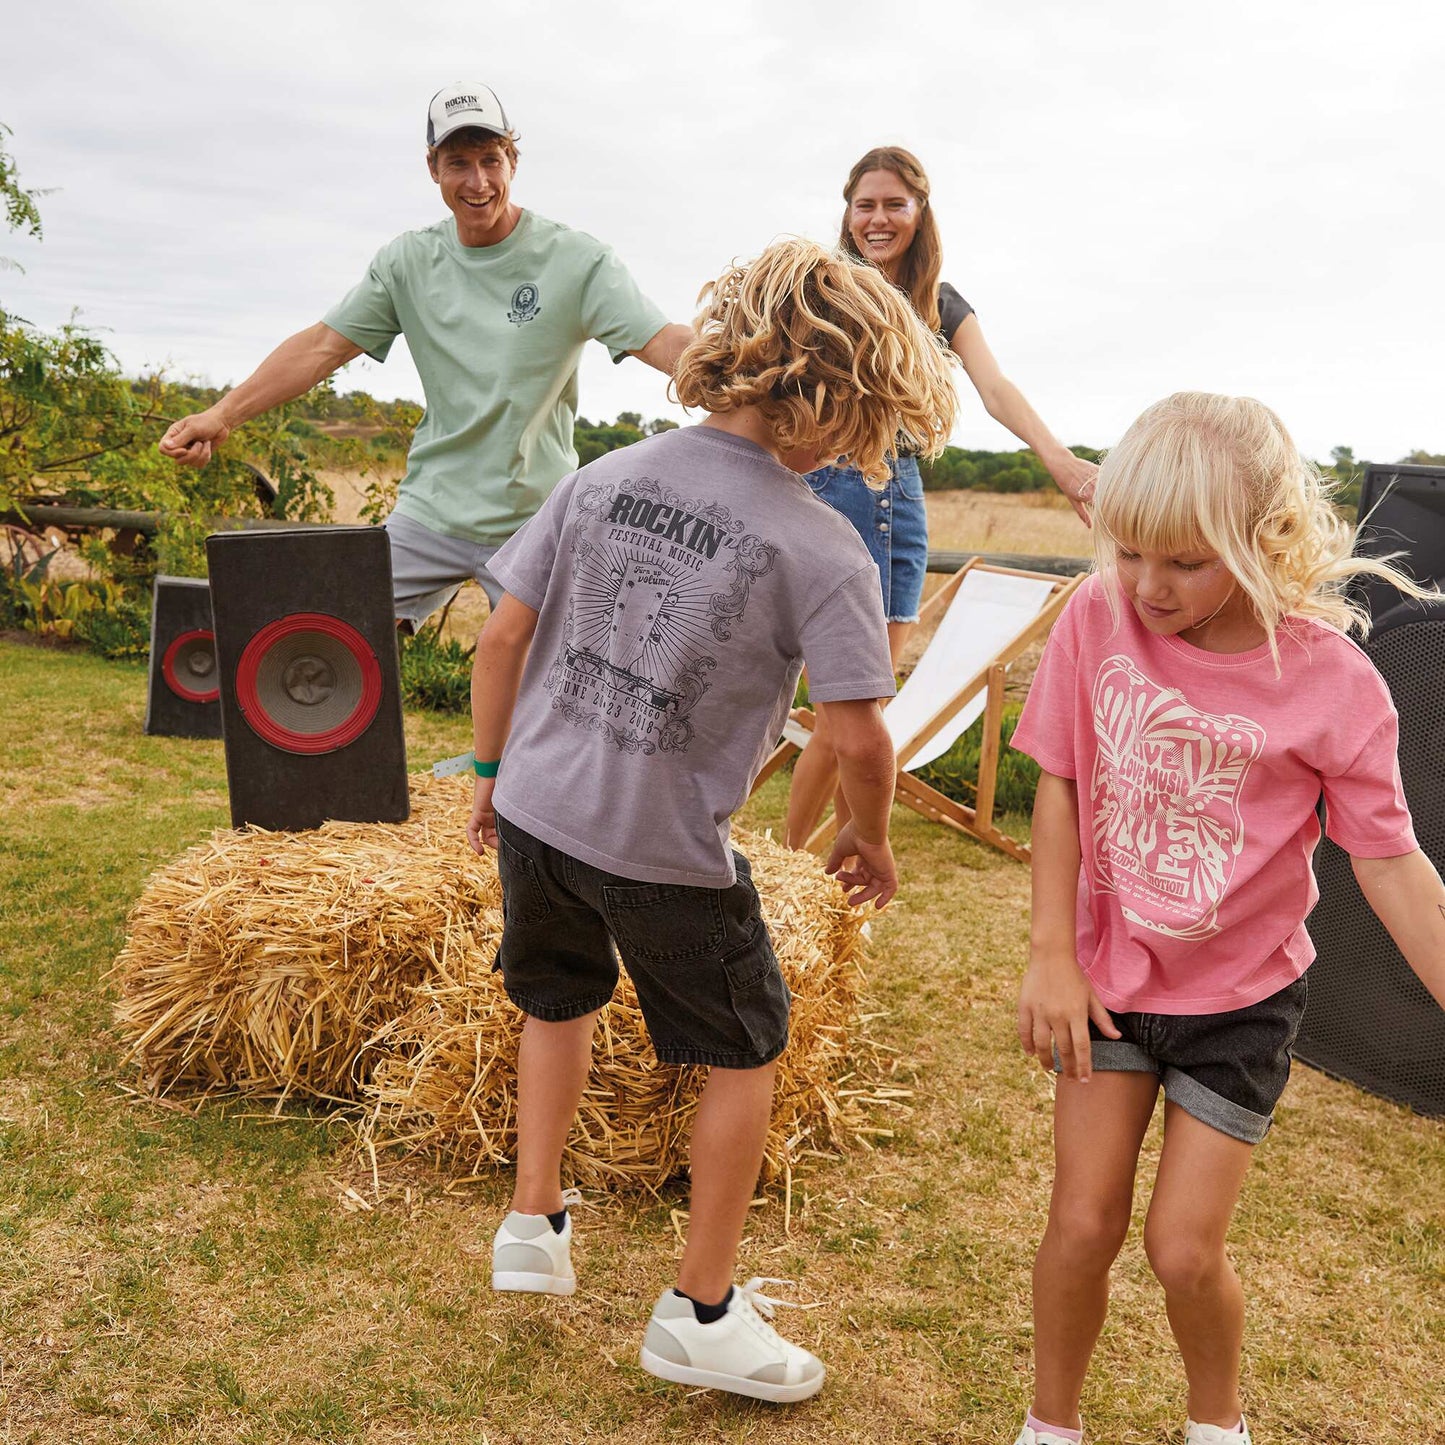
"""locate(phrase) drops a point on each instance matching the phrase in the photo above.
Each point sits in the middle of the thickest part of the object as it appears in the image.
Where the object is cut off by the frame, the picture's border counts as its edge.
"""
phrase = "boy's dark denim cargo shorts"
(1227, 1069)
(700, 958)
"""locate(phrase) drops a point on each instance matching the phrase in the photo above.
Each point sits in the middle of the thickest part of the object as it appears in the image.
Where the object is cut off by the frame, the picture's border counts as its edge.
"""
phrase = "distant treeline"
(344, 430)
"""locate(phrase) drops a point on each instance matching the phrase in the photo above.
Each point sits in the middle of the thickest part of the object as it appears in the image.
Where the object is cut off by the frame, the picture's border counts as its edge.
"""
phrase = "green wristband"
(485, 770)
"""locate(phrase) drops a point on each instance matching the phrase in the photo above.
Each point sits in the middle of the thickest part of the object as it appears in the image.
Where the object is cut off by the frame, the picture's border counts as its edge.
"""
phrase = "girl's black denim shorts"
(1226, 1069)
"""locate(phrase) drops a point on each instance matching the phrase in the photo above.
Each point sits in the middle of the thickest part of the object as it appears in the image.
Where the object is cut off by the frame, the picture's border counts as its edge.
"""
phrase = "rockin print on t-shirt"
(1165, 800)
(647, 610)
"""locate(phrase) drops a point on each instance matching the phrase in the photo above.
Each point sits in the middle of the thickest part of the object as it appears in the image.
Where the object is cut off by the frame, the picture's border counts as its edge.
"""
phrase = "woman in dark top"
(889, 222)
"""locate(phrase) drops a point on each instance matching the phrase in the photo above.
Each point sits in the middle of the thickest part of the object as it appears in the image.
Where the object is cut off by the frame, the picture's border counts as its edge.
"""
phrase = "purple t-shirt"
(680, 586)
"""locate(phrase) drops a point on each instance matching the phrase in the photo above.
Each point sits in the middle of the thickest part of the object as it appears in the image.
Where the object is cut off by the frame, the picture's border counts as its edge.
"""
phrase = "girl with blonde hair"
(1188, 717)
(889, 222)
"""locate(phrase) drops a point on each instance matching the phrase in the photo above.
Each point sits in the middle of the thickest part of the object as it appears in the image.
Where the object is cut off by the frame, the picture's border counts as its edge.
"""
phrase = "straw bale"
(261, 963)
(446, 1085)
(354, 963)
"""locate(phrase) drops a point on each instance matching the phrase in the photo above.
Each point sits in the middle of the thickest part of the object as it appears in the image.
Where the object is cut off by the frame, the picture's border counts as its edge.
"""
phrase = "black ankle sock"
(707, 1314)
(558, 1221)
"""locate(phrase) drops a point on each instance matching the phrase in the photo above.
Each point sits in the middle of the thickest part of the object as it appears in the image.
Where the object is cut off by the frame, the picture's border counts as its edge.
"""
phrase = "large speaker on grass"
(310, 692)
(1369, 1019)
(184, 696)
(1402, 511)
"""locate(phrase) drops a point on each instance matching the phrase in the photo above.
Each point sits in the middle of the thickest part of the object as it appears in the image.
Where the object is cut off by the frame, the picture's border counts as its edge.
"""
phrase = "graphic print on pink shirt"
(1165, 801)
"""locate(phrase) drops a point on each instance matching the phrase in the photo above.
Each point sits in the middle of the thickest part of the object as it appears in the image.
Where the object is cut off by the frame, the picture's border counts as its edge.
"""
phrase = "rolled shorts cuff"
(1119, 1056)
(1115, 1056)
(1210, 1108)
(684, 1054)
(558, 1013)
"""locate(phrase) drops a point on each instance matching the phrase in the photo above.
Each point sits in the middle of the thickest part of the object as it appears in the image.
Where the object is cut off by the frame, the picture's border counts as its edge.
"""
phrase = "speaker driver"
(308, 683)
(189, 666)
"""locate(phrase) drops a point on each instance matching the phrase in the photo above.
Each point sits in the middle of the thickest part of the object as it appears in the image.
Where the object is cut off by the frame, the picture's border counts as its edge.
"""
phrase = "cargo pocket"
(759, 994)
(664, 923)
(524, 900)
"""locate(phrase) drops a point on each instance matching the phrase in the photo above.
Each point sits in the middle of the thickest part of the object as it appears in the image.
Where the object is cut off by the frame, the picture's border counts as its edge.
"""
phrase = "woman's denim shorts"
(892, 523)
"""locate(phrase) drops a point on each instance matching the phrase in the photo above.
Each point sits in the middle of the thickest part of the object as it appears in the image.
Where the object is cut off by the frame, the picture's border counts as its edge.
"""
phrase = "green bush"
(955, 774)
(94, 611)
(436, 672)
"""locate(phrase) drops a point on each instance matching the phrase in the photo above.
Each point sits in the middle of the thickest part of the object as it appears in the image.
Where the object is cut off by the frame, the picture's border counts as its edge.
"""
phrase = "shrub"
(436, 671)
(955, 774)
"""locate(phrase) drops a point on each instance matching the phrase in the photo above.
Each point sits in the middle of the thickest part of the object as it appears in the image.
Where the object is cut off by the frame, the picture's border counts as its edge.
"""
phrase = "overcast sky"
(1137, 196)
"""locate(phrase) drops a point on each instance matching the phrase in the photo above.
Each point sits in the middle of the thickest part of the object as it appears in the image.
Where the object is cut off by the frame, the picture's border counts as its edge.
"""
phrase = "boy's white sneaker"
(741, 1352)
(1197, 1434)
(1029, 1436)
(529, 1255)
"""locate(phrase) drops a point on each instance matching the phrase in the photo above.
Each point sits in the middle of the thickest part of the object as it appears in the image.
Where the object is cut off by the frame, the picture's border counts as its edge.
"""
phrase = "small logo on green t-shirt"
(526, 303)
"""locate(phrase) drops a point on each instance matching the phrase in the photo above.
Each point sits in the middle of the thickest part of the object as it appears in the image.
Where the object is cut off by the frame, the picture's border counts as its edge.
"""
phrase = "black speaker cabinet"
(184, 696)
(310, 690)
(1402, 512)
(1369, 1019)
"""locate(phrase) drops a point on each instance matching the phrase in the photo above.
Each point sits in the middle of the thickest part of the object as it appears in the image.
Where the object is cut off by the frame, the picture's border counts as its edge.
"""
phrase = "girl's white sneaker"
(1029, 1436)
(1197, 1434)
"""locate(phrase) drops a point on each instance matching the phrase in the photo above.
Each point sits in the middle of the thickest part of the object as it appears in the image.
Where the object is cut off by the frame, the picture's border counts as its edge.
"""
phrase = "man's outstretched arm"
(664, 348)
(290, 371)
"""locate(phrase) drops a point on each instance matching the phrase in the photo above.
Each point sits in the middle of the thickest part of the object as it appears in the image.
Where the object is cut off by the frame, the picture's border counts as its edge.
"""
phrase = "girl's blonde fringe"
(1221, 473)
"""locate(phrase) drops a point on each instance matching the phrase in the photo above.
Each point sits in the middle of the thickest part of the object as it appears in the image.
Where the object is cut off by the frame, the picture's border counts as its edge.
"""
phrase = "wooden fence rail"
(40, 515)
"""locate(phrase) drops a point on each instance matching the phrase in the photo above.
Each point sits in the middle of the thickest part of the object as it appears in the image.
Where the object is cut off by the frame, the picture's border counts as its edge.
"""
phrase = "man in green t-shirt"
(496, 304)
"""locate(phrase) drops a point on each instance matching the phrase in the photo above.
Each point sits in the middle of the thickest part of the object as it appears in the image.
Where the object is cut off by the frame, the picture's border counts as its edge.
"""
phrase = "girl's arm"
(496, 675)
(1056, 1001)
(1409, 899)
(1007, 405)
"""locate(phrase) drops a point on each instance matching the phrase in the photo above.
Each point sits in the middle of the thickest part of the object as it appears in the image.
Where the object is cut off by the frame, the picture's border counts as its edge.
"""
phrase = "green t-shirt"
(496, 333)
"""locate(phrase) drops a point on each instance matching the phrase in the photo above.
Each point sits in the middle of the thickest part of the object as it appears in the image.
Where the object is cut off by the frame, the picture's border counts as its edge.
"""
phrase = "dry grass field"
(1042, 524)
(197, 1275)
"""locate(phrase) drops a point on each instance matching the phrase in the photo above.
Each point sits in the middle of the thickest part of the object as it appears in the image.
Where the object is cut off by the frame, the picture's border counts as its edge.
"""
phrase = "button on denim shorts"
(700, 959)
(1227, 1069)
(893, 524)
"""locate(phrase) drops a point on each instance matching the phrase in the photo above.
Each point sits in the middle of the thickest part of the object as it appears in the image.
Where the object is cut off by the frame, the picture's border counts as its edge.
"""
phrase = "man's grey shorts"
(1227, 1069)
(427, 568)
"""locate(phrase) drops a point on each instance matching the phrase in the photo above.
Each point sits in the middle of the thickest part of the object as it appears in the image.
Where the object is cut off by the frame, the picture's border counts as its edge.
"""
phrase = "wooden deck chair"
(990, 617)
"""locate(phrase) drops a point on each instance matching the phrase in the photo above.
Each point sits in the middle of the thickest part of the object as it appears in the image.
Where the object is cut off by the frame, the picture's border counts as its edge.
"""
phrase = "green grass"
(170, 1277)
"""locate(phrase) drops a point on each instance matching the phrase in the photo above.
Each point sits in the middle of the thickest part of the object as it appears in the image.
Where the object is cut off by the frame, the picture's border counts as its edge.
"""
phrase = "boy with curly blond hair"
(658, 612)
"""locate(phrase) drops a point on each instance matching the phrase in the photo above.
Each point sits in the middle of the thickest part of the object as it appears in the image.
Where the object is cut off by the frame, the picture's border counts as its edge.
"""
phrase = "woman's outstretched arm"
(1007, 405)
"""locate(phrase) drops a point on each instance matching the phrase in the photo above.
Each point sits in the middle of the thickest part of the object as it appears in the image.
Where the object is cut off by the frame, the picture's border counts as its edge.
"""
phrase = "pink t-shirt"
(1198, 774)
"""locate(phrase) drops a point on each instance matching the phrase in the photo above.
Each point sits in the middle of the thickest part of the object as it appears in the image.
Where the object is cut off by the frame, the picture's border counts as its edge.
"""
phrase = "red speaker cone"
(308, 683)
(189, 666)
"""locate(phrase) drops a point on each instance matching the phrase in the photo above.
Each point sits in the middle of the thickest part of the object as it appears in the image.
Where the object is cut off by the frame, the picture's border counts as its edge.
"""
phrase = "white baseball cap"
(456, 106)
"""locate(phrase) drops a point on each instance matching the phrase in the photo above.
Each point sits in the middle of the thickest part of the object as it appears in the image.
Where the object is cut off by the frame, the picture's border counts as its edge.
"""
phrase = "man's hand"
(870, 872)
(482, 825)
(1056, 1003)
(190, 440)
(298, 364)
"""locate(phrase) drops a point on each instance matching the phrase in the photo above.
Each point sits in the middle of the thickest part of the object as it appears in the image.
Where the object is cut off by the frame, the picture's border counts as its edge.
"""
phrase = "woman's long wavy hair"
(831, 354)
(922, 262)
(1221, 473)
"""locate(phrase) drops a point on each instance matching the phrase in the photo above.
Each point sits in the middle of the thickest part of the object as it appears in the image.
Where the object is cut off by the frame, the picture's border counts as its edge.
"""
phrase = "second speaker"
(310, 688)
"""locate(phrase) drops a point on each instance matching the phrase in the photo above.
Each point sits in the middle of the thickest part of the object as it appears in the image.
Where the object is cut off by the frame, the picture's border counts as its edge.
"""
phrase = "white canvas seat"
(990, 617)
